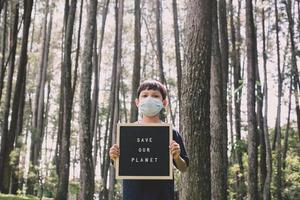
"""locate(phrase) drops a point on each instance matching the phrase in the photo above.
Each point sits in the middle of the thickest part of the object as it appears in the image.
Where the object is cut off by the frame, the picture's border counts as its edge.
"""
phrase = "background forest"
(69, 71)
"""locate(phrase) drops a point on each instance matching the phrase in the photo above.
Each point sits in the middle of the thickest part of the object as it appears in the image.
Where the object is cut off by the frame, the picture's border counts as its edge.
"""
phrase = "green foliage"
(17, 197)
(240, 146)
(20, 197)
(292, 177)
(118, 191)
(291, 172)
(74, 187)
(50, 185)
(235, 182)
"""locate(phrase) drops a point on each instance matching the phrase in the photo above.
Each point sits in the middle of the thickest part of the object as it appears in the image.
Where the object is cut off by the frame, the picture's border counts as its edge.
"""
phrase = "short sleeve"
(183, 154)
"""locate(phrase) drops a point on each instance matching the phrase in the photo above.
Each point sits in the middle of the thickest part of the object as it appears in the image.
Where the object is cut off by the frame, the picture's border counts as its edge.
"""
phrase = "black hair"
(152, 85)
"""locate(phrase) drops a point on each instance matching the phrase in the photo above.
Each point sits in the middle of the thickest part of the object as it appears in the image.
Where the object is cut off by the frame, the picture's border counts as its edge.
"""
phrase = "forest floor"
(20, 197)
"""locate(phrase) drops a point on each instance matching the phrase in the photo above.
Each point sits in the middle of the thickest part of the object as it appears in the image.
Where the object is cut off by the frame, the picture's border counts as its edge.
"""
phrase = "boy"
(151, 98)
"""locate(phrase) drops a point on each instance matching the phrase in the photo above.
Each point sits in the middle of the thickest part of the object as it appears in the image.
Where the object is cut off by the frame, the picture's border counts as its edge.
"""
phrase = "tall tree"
(5, 168)
(260, 123)
(86, 159)
(279, 86)
(277, 132)
(267, 180)
(178, 57)
(136, 75)
(251, 119)
(3, 50)
(61, 92)
(286, 135)
(20, 87)
(238, 84)
(217, 131)
(105, 158)
(38, 104)
(223, 32)
(195, 97)
(159, 41)
(64, 145)
(2, 2)
(116, 86)
(295, 73)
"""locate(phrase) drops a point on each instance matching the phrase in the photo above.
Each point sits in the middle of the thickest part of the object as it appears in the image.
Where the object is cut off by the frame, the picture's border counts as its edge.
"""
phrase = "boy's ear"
(165, 103)
(137, 102)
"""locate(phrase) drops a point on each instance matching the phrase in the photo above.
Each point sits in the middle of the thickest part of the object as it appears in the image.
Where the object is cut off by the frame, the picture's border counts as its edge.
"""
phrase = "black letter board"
(144, 151)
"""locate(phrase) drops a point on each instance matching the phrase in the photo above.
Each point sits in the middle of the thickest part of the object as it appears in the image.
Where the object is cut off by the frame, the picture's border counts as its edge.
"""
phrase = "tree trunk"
(178, 58)
(3, 50)
(103, 190)
(286, 135)
(268, 161)
(123, 107)
(260, 123)
(7, 139)
(295, 73)
(224, 63)
(136, 75)
(196, 95)
(217, 131)
(238, 85)
(159, 40)
(277, 125)
(277, 132)
(64, 153)
(38, 112)
(95, 97)
(86, 159)
(251, 119)
(19, 97)
(61, 96)
(117, 62)
(2, 2)
(75, 73)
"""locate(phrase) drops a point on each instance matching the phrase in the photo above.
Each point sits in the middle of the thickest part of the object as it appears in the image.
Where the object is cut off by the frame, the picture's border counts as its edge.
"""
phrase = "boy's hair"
(152, 85)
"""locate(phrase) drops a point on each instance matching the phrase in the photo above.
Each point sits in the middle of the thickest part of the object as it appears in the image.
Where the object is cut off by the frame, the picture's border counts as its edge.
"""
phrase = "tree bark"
(7, 139)
(22, 68)
(295, 73)
(217, 131)
(224, 70)
(238, 85)
(86, 159)
(178, 58)
(279, 86)
(251, 119)
(268, 162)
(136, 75)
(2, 2)
(196, 97)
(286, 135)
(115, 99)
(67, 101)
(38, 105)
(159, 40)
(3, 51)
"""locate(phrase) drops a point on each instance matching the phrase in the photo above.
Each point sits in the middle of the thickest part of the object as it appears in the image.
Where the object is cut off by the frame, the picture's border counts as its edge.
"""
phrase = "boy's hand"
(175, 150)
(114, 152)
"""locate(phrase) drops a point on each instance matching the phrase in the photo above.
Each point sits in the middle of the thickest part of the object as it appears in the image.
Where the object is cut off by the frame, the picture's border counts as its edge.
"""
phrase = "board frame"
(117, 164)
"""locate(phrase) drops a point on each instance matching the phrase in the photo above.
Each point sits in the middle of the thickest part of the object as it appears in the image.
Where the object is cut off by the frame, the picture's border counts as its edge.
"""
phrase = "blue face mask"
(150, 106)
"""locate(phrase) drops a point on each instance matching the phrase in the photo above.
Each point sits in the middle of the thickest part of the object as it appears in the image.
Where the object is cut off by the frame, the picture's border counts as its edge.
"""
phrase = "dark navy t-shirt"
(154, 189)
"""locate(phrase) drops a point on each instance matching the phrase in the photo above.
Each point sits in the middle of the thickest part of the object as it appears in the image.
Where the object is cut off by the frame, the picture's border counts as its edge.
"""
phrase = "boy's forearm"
(181, 164)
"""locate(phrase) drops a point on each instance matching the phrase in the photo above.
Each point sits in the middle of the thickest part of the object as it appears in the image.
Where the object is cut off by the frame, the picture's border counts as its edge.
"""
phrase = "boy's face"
(152, 93)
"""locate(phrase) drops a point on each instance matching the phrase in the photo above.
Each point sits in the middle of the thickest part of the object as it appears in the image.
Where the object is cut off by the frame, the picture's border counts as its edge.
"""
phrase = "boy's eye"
(144, 95)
